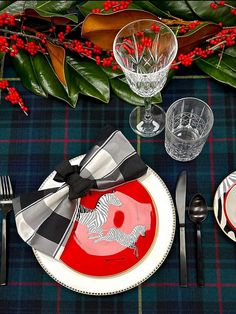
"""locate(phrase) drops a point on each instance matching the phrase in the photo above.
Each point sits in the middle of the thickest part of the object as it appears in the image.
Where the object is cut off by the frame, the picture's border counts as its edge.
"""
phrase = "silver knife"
(180, 199)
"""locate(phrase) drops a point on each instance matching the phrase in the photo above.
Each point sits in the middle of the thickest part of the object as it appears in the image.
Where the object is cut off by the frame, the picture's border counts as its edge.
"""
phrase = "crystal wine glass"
(145, 49)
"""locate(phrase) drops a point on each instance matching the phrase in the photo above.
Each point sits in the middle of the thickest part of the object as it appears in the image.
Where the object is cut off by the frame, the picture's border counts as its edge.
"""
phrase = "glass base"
(147, 127)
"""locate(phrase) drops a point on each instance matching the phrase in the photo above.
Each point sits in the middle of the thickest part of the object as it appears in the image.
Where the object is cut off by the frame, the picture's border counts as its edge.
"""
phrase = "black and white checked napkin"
(45, 218)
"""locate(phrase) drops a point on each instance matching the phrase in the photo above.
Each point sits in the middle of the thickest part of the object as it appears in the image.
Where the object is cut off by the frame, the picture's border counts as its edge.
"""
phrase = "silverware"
(180, 198)
(6, 195)
(198, 213)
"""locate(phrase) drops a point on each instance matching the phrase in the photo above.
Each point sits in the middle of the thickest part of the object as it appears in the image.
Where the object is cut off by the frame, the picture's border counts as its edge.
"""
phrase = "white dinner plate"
(132, 277)
(225, 206)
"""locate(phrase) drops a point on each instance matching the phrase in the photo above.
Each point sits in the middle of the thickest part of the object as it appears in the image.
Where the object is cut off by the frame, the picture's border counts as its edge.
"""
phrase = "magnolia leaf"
(102, 29)
(23, 65)
(48, 75)
(17, 6)
(50, 17)
(49, 80)
(88, 6)
(121, 89)
(73, 83)
(50, 9)
(93, 81)
(55, 6)
(3, 4)
(110, 73)
(218, 70)
(205, 12)
(229, 62)
(179, 9)
(193, 38)
(231, 51)
(149, 7)
(65, 74)
(57, 55)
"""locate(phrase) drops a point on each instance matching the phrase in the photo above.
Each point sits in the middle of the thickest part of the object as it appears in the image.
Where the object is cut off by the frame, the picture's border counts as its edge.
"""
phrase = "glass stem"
(148, 107)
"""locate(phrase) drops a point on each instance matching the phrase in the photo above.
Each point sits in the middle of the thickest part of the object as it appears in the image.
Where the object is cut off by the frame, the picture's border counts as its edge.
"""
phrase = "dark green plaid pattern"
(31, 147)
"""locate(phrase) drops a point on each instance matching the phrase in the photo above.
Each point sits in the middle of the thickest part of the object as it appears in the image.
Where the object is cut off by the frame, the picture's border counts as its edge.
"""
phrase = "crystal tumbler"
(188, 123)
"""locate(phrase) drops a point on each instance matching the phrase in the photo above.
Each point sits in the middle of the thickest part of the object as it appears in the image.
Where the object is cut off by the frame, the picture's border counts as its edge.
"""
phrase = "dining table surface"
(31, 146)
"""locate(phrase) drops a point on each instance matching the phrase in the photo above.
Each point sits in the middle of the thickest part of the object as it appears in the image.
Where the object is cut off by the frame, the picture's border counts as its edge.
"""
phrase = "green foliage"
(87, 78)
(222, 70)
(222, 14)
(93, 81)
(121, 88)
(23, 64)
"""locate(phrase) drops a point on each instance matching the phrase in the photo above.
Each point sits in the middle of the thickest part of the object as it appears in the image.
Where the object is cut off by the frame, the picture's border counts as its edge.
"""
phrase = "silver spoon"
(197, 213)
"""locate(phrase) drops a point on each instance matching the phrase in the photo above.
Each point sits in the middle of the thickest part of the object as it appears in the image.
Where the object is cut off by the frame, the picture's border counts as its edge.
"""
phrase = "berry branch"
(13, 96)
(113, 6)
(7, 31)
(1, 71)
(15, 36)
(225, 38)
(217, 4)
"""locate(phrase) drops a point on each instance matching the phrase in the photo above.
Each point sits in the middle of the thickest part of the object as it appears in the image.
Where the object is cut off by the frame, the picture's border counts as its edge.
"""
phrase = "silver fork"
(6, 195)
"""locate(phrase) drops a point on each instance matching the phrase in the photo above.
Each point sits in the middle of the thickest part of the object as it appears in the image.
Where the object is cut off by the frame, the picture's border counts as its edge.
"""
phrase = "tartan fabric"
(31, 147)
(45, 218)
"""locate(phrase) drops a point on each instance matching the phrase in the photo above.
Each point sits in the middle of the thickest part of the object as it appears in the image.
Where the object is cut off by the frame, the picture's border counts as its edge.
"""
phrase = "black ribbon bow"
(46, 218)
(69, 174)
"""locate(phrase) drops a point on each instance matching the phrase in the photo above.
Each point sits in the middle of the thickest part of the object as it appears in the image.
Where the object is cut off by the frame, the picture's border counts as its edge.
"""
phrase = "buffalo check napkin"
(45, 218)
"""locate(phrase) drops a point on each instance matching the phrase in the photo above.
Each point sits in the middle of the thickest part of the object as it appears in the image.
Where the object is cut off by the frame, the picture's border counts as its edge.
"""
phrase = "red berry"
(61, 36)
(98, 60)
(155, 28)
(3, 44)
(68, 29)
(213, 5)
(7, 19)
(4, 84)
(233, 11)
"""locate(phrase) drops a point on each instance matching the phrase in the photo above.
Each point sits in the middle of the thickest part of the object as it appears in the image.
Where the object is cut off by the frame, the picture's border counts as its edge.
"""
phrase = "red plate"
(115, 235)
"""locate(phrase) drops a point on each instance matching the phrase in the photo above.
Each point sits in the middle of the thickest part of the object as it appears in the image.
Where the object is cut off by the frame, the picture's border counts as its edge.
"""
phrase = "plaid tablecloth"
(30, 148)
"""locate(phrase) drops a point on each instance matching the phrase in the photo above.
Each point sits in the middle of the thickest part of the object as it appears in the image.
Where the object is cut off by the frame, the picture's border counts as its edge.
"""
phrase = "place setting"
(106, 208)
(118, 217)
(104, 222)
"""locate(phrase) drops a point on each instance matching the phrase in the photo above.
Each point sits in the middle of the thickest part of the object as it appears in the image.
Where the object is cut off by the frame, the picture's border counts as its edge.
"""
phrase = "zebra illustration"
(126, 239)
(226, 226)
(95, 218)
